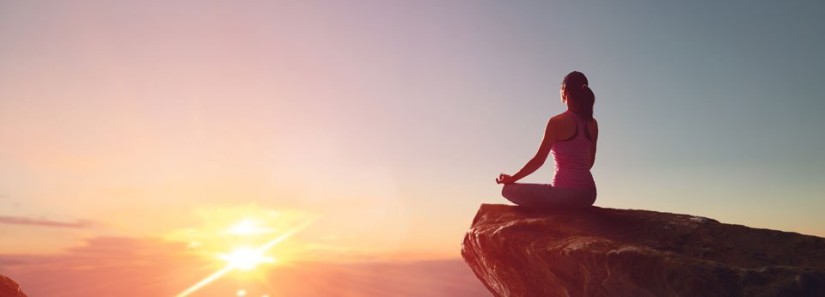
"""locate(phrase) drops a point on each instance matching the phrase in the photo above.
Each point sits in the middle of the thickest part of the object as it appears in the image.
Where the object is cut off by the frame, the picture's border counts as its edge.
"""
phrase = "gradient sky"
(390, 120)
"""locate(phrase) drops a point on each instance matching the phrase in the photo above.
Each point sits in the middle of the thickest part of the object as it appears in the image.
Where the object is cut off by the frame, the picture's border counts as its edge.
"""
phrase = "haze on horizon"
(389, 120)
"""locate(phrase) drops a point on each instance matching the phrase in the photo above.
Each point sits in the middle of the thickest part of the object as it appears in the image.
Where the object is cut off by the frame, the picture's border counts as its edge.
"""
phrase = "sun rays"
(246, 258)
(242, 256)
(248, 227)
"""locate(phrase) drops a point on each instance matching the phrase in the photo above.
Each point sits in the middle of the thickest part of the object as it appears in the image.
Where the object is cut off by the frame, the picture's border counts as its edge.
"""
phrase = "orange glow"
(243, 258)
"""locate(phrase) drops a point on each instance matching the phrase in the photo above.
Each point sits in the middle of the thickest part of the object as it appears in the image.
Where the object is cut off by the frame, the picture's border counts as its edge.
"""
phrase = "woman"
(571, 137)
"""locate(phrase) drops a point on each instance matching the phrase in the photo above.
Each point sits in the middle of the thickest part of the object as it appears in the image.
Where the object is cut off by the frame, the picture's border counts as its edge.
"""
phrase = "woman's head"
(577, 94)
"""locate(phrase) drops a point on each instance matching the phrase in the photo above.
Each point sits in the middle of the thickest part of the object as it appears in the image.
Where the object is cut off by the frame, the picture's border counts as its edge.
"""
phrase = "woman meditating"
(571, 137)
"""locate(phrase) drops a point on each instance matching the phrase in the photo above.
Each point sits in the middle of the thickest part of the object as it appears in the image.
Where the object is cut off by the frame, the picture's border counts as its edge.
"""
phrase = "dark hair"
(579, 94)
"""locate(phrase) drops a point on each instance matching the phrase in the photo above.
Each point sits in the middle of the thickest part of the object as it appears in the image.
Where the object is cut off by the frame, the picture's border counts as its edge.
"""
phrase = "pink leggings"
(547, 196)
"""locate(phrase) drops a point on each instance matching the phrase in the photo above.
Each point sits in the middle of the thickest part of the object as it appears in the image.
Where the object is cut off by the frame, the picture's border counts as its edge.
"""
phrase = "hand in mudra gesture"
(504, 179)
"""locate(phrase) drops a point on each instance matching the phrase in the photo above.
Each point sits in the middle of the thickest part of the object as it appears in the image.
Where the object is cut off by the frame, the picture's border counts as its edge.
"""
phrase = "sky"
(388, 121)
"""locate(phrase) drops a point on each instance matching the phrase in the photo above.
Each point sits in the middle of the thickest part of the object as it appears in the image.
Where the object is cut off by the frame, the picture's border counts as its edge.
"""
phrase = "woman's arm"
(537, 160)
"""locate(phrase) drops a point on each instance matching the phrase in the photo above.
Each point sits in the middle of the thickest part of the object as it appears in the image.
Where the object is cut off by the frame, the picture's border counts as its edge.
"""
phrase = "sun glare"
(245, 258)
(247, 227)
(249, 241)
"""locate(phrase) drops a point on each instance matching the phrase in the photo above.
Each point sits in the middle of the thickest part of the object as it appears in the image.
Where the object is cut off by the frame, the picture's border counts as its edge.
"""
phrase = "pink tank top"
(572, 158)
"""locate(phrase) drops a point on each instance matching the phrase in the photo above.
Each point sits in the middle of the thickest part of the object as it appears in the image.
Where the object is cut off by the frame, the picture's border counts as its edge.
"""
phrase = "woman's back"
(571, 137)
(574, 152)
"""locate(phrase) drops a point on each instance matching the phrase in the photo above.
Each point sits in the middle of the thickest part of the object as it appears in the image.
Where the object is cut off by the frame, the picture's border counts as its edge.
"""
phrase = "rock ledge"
(9, 288)
(613, 252)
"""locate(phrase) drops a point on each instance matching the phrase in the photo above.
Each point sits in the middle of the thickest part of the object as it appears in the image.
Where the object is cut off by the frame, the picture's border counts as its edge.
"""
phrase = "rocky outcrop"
(9, 288)
(612, 252)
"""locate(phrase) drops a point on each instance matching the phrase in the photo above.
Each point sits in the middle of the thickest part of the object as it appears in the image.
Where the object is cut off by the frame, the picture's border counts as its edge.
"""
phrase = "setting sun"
(245, 258)
(248, 227)
(248, 241)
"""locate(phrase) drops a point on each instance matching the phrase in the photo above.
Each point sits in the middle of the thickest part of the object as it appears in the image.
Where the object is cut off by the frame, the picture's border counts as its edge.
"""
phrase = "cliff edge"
(9, 288)
(614, 252)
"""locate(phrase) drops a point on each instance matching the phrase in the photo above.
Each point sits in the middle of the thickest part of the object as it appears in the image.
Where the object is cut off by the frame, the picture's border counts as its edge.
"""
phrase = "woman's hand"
(505, 179)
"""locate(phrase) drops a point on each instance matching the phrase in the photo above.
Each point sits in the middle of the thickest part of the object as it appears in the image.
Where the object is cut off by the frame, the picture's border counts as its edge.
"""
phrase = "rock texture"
(613, 252)
(9, 288)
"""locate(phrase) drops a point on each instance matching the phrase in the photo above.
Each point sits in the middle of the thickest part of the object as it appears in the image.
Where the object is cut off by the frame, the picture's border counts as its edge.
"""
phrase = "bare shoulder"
(557, 121)
(560, 118)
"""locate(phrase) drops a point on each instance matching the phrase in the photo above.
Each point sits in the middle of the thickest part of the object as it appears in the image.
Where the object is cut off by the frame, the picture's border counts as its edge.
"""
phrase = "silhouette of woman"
(571, 137)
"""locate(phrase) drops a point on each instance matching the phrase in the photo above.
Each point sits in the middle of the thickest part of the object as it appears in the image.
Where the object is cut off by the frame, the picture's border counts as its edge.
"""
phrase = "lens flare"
(246, 258)
(248, 227)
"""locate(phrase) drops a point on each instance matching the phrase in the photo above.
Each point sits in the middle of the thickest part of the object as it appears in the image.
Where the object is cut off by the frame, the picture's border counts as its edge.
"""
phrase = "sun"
(248, 227)
(249, 241)
(246, 258)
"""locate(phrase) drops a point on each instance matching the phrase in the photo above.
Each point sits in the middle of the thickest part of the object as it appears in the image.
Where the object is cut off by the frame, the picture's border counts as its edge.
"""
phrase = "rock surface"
(9, 288)
(613, 252)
